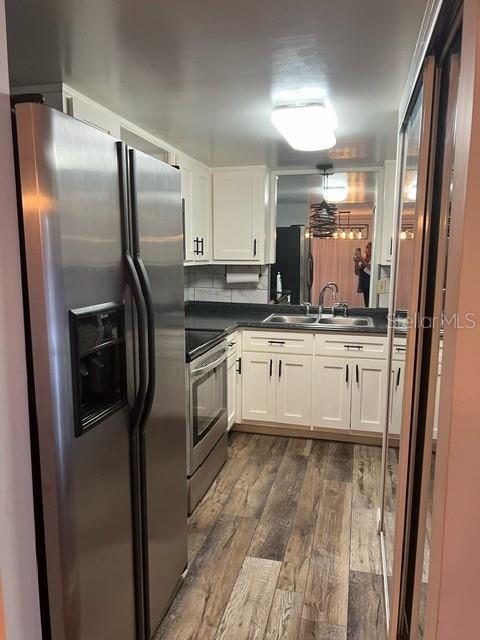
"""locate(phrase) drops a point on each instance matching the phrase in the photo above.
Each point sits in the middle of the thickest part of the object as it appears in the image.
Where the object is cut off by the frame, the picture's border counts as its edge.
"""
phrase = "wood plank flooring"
(284, 546)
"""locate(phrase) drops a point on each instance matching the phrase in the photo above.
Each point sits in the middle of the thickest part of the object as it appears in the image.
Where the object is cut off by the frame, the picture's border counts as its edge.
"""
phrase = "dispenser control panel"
(97, 336)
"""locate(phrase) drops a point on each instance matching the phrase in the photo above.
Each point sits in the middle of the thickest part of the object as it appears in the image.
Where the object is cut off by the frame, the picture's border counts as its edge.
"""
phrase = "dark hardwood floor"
(284, 546)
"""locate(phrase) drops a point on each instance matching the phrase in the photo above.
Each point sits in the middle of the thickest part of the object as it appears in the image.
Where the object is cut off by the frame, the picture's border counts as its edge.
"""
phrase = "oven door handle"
(210, 365)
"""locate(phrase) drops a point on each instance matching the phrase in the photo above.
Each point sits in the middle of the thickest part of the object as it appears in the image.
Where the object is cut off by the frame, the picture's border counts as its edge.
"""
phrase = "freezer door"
(157, 224)
(73, 261)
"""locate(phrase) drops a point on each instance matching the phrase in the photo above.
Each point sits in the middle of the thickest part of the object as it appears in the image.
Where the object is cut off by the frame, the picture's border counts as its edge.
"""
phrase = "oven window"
(209, 400)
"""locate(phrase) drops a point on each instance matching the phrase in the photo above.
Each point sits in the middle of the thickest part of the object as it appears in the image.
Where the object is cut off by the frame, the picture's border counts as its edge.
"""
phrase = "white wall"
(288, 214)
(208, 284)
(17, 543)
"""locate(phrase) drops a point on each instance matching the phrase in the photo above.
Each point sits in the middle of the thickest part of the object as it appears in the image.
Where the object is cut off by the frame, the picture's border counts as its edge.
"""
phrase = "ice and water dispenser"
(97, 337)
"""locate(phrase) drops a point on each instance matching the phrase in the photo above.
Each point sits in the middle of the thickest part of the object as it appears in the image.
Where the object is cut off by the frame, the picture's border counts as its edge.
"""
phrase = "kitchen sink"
(291, 319)
(329, 321)
(340, 321)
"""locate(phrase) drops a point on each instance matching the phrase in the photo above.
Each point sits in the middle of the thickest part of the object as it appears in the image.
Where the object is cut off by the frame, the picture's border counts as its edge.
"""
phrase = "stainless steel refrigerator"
(103, 275)
(294, 262)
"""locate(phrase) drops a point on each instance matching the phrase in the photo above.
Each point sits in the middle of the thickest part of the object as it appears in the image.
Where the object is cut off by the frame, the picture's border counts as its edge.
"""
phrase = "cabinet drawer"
(233, 345)
(399, 349)
(278, 342)
(349, 345)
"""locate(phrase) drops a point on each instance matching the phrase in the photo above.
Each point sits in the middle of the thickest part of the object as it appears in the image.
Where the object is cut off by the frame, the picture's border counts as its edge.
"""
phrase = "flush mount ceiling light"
(307, 127)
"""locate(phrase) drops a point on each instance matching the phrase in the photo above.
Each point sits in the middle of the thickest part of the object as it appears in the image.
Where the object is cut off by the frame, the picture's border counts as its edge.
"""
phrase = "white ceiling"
(360, 188)
(205, 74)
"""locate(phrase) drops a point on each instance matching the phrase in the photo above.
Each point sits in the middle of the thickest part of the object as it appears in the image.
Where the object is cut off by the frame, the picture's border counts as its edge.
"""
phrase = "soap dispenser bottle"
(279, 284)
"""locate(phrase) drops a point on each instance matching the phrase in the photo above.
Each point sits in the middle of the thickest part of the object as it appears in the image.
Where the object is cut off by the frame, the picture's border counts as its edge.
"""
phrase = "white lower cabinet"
(294, 390)
(396, 398)
(276, 388)
(317, 388)
(258, 387)
(368, 393)
(331, 393)
(348, 394)
(234, 380)
(437, 401)
(231, 390)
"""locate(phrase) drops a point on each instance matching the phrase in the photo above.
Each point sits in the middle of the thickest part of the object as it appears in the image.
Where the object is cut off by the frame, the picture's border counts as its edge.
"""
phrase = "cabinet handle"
(357, 377)
(239, 368)
(346, 373)
(232, 344)
(358, 347)
(196, 250)
(271, 367)
(391, 245)
(400, 349)
(398, 378)
(202, 243)
(183, 226)
(254, 247)
(279, 368)
(282, 342)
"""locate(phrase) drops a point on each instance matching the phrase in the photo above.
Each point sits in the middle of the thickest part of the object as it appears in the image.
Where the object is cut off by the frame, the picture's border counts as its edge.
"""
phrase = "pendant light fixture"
(323, 216)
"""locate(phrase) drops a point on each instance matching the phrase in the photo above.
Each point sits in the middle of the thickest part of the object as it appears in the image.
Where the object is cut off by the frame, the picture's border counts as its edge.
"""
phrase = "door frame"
(424, 80)
(376, 215)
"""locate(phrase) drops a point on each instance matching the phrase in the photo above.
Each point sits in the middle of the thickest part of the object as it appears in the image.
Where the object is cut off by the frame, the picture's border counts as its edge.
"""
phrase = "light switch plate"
(382, 285)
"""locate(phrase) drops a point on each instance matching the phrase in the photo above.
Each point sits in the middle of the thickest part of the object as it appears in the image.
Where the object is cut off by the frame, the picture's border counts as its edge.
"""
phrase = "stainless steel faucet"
(334, 289)
(341, 307)
(307, 306)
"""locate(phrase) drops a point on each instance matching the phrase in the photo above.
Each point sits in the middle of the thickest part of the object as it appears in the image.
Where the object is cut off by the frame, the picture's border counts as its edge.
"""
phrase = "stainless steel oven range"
(207, 420)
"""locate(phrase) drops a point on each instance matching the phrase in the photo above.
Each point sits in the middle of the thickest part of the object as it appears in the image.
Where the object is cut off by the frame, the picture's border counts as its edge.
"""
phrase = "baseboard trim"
(327, 434)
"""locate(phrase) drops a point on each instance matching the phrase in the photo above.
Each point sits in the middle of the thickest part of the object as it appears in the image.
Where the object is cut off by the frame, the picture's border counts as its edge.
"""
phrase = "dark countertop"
(225, 318)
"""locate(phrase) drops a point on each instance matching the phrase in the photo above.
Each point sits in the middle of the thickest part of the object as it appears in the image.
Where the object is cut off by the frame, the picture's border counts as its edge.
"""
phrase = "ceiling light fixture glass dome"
(306, 127)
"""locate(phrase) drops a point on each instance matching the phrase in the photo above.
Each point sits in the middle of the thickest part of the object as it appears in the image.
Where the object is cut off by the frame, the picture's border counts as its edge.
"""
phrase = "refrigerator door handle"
(146, 291)
(134, 285)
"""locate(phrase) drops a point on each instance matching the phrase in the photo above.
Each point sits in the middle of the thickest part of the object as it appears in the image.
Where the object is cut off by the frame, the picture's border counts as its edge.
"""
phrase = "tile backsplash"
(207, 283)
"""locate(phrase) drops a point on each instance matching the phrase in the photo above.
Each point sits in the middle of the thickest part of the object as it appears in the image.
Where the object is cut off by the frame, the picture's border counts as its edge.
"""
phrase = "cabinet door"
(388, 212)
(398, 373)
(196, 192)
(239, 215)
(202, 214)
(368, 388)
(231, 389)
(331, 389)
(93, 114)
(294, 389)
(191, 247)
(258, 387)
(437, 401)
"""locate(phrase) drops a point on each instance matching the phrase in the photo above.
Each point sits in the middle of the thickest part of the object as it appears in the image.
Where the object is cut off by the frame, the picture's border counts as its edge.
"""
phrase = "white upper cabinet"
(388, 212)
(90, 113)
(197, 195)
(240, 211)
(236, 226)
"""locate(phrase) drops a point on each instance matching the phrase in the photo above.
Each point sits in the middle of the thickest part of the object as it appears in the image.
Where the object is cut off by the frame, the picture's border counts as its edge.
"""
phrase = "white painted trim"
(300, 172)
(247, 167)
(430, 18)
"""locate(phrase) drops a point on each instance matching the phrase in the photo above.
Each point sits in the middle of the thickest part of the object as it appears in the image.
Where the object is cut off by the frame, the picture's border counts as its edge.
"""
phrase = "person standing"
(362, 270)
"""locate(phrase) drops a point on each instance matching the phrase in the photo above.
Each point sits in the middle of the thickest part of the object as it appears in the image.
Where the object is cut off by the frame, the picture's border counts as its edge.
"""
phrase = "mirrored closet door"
(424, 188)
